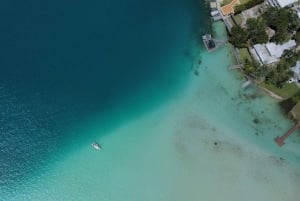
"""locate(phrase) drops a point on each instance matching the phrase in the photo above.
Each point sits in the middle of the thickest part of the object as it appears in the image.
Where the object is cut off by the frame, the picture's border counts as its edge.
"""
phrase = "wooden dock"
(212, 44)
(217, 18)
(280, 140)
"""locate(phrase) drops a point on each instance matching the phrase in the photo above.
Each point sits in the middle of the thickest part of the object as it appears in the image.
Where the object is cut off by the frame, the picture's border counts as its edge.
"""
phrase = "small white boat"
(96, 145)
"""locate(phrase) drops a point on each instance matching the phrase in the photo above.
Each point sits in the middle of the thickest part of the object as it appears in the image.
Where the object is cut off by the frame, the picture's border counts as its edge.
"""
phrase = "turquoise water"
(169, 135)
(69, 67)
(169, 153)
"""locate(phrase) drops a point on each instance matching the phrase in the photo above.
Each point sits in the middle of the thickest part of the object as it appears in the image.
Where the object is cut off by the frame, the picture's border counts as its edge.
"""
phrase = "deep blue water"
(62, 62)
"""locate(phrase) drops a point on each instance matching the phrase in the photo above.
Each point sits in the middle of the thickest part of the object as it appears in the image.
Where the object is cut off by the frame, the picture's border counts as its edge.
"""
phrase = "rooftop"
(281, 3)
(284, 3)
(277, 50)
(271, 52)
(296, 69)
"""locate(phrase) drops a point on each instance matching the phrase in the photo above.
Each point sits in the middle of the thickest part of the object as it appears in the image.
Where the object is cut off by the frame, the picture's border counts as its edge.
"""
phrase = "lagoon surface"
(122, 73)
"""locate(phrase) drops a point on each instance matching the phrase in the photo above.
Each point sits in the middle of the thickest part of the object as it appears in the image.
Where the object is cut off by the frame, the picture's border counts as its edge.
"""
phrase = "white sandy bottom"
(171, 155)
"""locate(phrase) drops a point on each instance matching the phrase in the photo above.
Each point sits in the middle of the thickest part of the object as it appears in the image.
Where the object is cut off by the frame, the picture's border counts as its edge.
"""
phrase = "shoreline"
(237, 60)
(268, 92)
(271, 93)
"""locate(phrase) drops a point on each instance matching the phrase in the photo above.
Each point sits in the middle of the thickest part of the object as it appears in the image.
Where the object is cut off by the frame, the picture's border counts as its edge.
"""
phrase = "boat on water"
(96, 146)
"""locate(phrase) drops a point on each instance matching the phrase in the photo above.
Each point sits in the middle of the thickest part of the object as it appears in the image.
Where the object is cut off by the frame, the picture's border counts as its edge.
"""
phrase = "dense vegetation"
(290, 57)
(255, 70)
(296, 37)
(257, 30)
(284, 21)
(286, 25)
(239, 8)
(238, 37)
(279, 75)
(282, 72)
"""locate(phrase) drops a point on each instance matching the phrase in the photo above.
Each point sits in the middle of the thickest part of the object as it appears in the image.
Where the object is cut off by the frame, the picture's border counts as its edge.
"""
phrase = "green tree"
(283, 20)
(238, 37)
(293, 21)
(279, 75)
(296, 37)
(257, 30)
(261, 71)
(290, 57)
(248, 67)
(280, 37)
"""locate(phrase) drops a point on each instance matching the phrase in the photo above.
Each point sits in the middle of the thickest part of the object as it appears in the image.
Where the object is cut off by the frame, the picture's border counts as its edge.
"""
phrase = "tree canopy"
(279, 75)
(238, 37)
(296, 37)
(283, 21)
(257, 30)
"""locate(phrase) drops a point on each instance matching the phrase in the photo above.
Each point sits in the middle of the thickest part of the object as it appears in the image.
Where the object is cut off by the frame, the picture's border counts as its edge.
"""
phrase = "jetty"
(246, 84)
(234, 67)
(239, 62)
(280, 140)
(215, 15)
(212, 44)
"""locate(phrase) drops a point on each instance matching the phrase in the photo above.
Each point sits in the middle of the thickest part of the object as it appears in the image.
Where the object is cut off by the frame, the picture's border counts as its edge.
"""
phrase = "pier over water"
(212, 44)
(280, 140)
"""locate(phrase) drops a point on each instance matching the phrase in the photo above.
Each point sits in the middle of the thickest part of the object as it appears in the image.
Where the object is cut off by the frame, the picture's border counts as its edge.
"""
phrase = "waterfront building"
(281, 3)
(296, 70)
(271, 52)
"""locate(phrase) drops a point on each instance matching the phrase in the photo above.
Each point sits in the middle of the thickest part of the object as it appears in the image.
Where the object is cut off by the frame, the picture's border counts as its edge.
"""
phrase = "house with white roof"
(296, 70)
(281, 3)
(271, 52)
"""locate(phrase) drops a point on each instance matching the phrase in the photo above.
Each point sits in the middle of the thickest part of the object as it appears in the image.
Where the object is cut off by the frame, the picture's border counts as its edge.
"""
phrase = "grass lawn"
(286, 91)
(296, 111)
(244, 1)
(244, 53)
(225, 2)
(238, 19)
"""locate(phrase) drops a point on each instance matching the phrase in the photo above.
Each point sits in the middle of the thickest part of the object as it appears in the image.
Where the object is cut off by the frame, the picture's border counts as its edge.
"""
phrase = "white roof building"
(271, 52)
(281, 3)
(215, 12)
(296, 70)
(284, 3)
